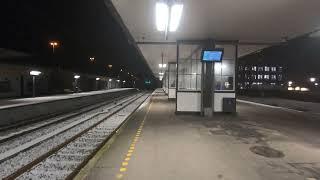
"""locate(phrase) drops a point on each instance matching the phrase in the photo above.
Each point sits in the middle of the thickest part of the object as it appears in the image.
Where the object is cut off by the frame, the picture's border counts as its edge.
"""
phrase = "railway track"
(11, 132)
(61, 152)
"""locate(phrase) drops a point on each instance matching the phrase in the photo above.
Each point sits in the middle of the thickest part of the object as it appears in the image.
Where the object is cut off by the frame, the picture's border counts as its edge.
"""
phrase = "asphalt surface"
(258, 143)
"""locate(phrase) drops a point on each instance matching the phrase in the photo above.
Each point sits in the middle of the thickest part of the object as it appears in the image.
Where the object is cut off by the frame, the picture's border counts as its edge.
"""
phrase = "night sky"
(83, 28)
(300, 57)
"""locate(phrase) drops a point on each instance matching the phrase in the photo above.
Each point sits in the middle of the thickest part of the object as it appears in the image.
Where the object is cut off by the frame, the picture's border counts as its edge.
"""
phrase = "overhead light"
(303, 89)
(161, 73)
(176, 13)
(162, 16)
(162, 65)
(124, 81)
(110, 80)
(35, 73)
(316, 84)
(76, 76)
(290, 83)
(290, 89)
(97, 79)
(297, 88)
(118, 80)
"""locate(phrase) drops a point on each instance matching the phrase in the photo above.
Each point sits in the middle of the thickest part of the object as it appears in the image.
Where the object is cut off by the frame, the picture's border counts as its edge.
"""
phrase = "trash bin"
(229, 105)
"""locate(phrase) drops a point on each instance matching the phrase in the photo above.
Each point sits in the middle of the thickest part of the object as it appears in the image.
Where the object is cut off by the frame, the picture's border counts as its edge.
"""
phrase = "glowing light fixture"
(161, 73)
(110, 80)
(97, 79)
(118, 80)
(290, 89)
(297, 88)
(163, 19)
(316, 84)
(35, 73)
(290, 83)
(312, 79)
(176, 13)
(162, 16)
(76, 76)
(303, 89)
(124, 81)
(162, 65)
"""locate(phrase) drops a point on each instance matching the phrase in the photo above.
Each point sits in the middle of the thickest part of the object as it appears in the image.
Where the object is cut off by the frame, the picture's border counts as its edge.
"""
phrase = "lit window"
(260, 76)
(273, 77)
(273, 69)
(266, 68)
(254, 68)
(280, 69)
(266, 76)
(260, 68)
(254, 76)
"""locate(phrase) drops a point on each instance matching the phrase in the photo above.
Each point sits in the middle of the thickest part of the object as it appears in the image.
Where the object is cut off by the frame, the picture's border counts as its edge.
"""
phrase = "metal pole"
(52, 49)
(33, 86)
(76, 85)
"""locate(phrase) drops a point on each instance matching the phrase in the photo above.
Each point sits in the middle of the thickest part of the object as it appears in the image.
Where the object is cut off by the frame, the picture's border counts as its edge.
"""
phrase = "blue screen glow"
(212, 56)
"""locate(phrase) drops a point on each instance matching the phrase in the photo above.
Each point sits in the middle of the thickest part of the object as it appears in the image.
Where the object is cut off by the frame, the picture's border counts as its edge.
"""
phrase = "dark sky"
(300, 57)
(84, 28)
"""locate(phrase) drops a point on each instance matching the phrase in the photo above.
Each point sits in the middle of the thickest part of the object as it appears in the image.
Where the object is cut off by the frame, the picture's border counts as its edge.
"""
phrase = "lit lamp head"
(312, 79)
(35, 73)
(76, 76)
(110, 80)
(97, 79)
(53, 43)
(124, 81)
(118, 80)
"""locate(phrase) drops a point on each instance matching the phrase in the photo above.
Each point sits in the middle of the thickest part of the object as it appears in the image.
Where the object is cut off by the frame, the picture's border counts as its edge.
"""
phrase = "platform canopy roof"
(256, 24)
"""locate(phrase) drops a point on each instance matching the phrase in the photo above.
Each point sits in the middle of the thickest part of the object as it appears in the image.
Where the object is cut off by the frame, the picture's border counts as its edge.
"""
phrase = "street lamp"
(34, 74)
(312, 79)
(53, 44)
(76, 77)
(97, 81)
(92, 59)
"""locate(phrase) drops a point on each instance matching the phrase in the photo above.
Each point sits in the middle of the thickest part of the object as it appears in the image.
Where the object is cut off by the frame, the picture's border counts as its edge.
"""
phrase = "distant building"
(260, 76)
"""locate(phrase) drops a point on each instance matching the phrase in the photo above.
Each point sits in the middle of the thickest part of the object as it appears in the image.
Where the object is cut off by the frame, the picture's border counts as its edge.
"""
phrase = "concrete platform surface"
(156, 144)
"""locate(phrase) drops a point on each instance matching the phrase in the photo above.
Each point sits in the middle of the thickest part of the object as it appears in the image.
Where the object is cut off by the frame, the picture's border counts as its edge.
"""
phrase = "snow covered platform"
(17, 110)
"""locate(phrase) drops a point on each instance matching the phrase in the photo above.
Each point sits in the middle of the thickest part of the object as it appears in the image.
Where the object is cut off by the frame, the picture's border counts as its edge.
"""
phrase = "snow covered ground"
(27, 101)
(308, 107)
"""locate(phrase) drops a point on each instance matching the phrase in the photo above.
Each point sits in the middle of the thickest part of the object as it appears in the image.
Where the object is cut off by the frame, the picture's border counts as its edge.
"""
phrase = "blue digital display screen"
(212, 56)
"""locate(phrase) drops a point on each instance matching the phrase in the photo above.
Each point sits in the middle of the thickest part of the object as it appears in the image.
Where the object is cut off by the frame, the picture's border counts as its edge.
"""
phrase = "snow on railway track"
(73, 143)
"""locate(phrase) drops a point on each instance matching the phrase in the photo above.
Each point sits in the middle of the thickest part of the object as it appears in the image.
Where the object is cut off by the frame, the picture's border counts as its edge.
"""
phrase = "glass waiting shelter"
(171, 74)
(201, 85)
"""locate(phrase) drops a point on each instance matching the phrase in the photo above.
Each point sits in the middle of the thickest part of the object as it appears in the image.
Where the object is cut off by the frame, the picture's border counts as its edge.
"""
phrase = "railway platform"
(255, 144)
